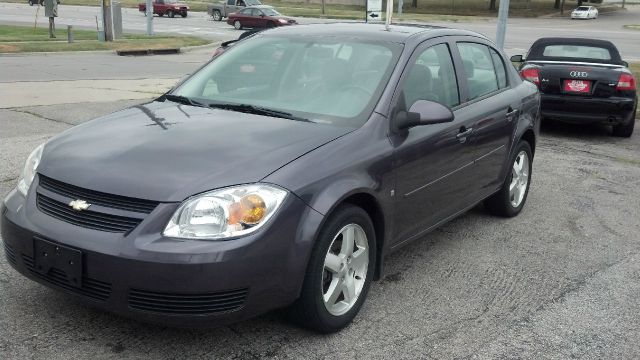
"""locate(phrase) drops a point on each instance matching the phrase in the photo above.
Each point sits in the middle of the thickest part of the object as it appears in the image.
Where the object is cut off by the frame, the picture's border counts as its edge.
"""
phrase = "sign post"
(373, 10)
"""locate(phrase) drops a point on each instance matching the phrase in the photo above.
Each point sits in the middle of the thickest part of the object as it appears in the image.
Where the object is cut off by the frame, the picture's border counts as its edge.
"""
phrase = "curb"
(118, 52)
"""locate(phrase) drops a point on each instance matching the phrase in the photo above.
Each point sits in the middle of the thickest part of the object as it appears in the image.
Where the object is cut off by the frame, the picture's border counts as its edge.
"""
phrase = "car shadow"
(581, 131)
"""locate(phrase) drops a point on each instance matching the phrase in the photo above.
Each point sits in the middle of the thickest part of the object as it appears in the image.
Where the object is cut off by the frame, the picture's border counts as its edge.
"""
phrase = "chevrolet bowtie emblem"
(79, 205)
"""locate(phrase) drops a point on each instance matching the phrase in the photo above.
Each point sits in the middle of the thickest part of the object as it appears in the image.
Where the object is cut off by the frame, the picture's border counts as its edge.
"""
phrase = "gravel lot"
(560, 281)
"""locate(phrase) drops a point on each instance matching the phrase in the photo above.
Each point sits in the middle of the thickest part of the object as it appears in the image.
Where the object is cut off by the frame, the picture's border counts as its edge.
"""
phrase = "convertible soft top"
(537, 49)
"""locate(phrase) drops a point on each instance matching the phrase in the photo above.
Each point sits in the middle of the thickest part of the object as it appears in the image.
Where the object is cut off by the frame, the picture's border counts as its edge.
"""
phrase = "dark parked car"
(260, 16)
(278, 175)
(582, 81)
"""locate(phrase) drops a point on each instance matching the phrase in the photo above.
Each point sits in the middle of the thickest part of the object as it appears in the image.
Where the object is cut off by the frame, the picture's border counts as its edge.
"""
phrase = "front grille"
(11, 255)
(92, 288)
(98, 198)
(86, 218)
(187, 304)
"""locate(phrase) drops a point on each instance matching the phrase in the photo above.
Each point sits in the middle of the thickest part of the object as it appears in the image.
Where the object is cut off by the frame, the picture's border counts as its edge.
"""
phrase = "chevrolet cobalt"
(278, 175)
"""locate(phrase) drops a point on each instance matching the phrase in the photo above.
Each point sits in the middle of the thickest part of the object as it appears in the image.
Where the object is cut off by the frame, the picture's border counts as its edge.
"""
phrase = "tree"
(492, 5)
(556, 5)
(414, 4)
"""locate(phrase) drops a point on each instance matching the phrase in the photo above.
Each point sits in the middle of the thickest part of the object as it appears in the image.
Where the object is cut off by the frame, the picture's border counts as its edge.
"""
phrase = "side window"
(245, 12)
(478, 68)
(432, 77)
(501, 72)
(256, 12)
(231, 2)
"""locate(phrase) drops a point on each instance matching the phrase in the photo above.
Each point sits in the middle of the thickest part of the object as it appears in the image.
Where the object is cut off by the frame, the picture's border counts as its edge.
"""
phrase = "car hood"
(168, 152)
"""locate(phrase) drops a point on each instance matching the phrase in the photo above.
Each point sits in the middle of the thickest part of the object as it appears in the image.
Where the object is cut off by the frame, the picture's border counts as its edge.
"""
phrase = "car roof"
(259, 7)
(400, 33)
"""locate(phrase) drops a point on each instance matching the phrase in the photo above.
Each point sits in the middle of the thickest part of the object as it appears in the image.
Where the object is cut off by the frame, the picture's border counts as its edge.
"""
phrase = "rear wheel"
(339, 273)
(170, 14)
(161, 14)
(237, 25)
(510, 199)
(625, 130)
(217, 16)
(184, 14)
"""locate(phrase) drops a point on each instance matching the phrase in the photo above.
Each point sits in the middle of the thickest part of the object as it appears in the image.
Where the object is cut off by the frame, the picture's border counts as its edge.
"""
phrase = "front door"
(433, 163)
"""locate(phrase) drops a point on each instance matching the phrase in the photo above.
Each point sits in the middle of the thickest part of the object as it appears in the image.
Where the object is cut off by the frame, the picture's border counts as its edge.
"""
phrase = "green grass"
(632, 27)
(15, 39)
(455, 8)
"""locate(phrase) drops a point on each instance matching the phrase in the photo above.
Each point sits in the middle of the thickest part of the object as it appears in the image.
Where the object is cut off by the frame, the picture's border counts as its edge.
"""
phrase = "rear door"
(491, 107)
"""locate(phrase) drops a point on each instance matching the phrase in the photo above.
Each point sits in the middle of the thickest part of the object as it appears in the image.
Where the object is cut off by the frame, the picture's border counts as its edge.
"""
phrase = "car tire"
(510, 199)
(31, 2)
(327, 282)
(237, 24)
(217, 16)
(625, 130)
(161, 14)
(171, 14)
(184, 14)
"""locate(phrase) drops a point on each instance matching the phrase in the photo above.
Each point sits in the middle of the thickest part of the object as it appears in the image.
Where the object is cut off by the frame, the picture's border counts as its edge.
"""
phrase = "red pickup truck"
(162, 7)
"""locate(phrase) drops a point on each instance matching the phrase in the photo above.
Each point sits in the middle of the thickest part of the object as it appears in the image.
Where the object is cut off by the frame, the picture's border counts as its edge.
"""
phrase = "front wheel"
(339, 273)
(510, 199)
(217, 16)
(184, 14)
(170, 14)
(237, 25)
(31, 3)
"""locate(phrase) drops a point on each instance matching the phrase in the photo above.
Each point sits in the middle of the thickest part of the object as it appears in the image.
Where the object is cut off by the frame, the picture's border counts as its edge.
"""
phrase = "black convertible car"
(279, 174)
(582, 81)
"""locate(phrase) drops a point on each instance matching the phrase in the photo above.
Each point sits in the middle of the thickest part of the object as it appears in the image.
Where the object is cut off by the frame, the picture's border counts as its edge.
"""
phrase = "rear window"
(583, 8)
(576, 52)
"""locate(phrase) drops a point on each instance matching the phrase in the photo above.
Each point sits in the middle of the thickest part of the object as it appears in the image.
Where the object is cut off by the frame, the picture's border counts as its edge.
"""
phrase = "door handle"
(464, 132)
(511, 113)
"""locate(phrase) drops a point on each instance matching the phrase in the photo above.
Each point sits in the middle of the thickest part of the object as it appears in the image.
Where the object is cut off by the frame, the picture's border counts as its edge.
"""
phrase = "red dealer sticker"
(577, 86)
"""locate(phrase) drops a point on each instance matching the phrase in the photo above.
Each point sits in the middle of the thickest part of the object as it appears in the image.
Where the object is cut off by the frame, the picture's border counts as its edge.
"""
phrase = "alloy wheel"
(345, 269)
(519, 179)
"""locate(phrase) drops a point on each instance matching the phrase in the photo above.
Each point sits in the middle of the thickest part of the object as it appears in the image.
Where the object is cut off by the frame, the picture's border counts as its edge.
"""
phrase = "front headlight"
(224, 213)
(29, 171)
(282, 21)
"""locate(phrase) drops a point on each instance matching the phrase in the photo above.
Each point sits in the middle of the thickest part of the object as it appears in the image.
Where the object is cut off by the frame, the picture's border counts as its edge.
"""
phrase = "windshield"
(576, 52)
(582, 8)
(330, 80)
(270, 12)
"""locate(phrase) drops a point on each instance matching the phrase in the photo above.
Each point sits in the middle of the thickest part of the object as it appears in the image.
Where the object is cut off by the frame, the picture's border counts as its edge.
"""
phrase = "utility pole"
(149, 17)
(503, 16)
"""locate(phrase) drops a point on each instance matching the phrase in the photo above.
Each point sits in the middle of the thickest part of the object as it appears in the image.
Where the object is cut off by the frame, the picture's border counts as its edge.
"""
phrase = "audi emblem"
(579, 74)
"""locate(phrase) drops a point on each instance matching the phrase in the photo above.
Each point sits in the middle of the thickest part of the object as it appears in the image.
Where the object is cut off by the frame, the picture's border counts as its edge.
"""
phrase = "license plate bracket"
(49, 255)
(577, 86)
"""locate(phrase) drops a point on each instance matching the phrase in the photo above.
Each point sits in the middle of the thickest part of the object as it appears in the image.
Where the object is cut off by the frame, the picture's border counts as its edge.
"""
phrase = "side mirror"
(517, 58)
(626, 64)
(423, 112)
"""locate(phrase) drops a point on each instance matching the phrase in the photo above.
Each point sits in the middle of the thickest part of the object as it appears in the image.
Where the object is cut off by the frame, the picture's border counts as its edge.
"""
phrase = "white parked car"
(585, 12)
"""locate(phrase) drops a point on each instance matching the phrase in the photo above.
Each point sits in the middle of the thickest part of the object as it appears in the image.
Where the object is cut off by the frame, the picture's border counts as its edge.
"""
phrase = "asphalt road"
(559, 281)
(521, 32)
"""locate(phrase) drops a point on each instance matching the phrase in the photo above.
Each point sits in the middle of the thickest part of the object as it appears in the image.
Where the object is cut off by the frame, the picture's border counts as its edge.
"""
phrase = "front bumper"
(168, 281)
(587, 110)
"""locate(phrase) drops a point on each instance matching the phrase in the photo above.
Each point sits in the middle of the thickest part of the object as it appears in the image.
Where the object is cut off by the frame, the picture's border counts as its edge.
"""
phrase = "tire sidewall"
(237, 24)
(342, 217)
(217, 16)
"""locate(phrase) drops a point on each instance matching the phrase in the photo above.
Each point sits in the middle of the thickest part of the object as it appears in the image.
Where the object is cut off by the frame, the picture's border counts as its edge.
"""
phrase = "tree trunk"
(556, 5)
(492, 5)
(414, 4)
(580, 2)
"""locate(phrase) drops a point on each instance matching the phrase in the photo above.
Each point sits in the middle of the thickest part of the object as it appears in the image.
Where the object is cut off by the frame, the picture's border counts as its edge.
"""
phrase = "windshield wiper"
(251, 109)
(183, 100)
